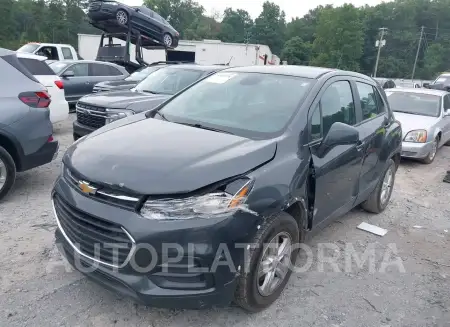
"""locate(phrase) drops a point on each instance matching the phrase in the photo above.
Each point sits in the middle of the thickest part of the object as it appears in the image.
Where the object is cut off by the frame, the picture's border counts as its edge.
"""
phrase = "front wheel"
(380, 196)
(269, 263)
(7, 172)
(122, 17)
(168, 40)
(432, 155)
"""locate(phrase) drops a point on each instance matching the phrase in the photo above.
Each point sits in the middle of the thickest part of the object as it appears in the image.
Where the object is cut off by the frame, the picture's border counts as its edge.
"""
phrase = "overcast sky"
(292, 8)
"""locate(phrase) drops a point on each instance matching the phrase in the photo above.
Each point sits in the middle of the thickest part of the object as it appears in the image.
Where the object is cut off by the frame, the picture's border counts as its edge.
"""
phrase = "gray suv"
(26, 139)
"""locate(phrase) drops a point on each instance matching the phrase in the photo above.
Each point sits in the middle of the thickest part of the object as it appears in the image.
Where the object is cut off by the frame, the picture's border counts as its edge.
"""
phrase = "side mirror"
(426, 85)
(68, 73)
(137, 9)
(339, 134)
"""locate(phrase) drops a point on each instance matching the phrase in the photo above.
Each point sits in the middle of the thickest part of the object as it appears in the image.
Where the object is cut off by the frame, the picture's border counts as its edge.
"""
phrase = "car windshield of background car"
(414, 103)
(442, 79)
(140, 74)
(58, 66)
(252, 105)
(168, 81)
(28, 48)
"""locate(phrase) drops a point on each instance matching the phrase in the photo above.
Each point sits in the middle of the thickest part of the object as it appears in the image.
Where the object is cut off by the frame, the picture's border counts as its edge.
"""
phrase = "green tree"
(235, 26)
(296, 51)
(339, 38)
(270, 27)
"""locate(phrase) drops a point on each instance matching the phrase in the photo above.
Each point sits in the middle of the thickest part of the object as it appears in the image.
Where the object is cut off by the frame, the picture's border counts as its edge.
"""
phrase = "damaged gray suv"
(204, 200)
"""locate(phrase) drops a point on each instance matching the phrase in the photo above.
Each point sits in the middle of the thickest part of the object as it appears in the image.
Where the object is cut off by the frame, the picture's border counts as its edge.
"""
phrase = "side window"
(36, 67)
(368, 100)
(113, 71)
(380, 103)
(67, 54)
(446, 102)
(337, 105)
(79, 70)
(316, 124)
(100, 70)
(50, 52)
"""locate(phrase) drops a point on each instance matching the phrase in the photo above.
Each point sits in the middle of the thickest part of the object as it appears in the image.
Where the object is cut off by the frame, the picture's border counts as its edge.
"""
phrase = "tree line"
(339, 37)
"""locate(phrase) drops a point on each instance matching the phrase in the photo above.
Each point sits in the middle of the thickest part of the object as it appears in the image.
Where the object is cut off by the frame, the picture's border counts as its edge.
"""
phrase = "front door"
(446, 119)
(78, 85)
(372, 134)
(336, 172)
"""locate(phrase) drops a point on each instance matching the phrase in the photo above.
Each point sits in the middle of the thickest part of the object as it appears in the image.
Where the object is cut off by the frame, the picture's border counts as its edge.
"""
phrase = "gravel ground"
(37, 289)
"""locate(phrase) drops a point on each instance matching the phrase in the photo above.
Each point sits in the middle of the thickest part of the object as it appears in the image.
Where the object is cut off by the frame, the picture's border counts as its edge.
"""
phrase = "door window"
(36, 67)
(100, 70)
(50, 52)
(337, 105)
(446, 102)
(79, 70)
(67, 54)
(369, 104)
(316, 124)
(113, 71)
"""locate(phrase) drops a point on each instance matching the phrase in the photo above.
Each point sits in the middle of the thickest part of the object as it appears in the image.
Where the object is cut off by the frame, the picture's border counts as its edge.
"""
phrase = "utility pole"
(380, 44)
(437, 29)
(417, 53)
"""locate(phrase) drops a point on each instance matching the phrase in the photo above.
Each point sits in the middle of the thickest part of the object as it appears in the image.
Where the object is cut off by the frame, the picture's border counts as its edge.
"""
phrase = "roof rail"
(171, 63)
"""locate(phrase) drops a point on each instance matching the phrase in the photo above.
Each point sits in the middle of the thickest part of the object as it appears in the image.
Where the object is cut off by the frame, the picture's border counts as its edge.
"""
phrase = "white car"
(36, 65)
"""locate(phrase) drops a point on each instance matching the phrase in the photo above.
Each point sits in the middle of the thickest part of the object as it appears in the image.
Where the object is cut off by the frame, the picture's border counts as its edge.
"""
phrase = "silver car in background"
(425, 118)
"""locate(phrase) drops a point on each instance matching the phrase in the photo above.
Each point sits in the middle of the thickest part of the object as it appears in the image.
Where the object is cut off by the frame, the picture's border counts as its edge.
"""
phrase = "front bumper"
(178, 287)
(80, 130)
(416, 150)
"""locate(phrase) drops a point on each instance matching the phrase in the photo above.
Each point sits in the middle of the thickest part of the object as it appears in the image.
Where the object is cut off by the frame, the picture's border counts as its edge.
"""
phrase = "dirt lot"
(38, 290)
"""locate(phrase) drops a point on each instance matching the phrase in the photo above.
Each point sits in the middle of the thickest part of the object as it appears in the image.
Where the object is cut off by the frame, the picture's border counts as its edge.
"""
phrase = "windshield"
(442, 79)
(415, 103)
(29, 48)
(168, 80)
(142, 73)
(252, 105)
(58, 66)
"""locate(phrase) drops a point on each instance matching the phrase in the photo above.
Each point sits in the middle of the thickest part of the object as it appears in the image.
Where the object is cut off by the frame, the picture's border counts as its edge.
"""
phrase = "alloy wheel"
(3, 174)
(167, 40)
(122, 17)
(386, 187)
(433, 151)
(274, 264)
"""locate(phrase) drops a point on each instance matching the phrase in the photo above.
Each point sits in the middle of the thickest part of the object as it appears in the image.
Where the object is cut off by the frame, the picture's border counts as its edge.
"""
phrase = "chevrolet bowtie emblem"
(86, 188)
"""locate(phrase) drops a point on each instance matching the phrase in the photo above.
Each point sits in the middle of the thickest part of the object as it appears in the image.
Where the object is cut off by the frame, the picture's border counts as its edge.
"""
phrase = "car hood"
(115, 84)
(411, 122)
(150, 156)
(437, 86)
(121, 99)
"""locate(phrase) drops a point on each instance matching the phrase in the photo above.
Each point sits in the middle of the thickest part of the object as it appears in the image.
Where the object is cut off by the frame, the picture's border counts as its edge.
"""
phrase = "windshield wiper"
(149, 113)
(151, 92)
(196, 125)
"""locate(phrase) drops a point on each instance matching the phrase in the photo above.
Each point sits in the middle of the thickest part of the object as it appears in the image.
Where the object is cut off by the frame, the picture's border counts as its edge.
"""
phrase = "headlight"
(116, 114)
(203, 206)
(417, 136)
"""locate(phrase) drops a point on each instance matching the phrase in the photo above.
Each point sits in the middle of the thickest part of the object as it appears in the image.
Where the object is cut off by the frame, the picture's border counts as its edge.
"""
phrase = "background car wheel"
(268, 270)
(122, 17)
(380, 196)
(168, 40)
(7, 172)
(432, 155)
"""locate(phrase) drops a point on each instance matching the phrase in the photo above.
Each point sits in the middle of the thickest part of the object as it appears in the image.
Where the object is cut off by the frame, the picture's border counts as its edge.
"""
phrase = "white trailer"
(206, 52)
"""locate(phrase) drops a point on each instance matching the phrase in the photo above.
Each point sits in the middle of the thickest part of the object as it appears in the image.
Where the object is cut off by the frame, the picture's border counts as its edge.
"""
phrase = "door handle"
(360, 145)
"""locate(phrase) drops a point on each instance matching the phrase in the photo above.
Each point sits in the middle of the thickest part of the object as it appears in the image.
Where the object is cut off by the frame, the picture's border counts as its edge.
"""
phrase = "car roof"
(30, 56)
(420, 91)
(205, 68)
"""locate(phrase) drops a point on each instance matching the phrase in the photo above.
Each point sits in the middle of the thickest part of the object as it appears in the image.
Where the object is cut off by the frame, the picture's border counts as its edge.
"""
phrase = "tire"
(167, 40)
(447, 144)
(7, 172)
(432, 155)
(248, 293)
(377, 200)
(122, 17)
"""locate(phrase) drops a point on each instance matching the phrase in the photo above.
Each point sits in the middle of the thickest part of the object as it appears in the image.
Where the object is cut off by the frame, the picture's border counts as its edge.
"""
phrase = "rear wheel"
(380, 196)
(269, 264)
(7, 172)
(430, 157)
(122, 17)
(168, 40)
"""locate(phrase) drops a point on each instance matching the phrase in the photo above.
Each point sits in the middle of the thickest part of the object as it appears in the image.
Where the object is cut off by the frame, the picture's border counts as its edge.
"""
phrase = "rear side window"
(67, 54)
(113, 71)
(36, 67)
(369, 104)
(100, 70)
(14, 61)
(447, 102)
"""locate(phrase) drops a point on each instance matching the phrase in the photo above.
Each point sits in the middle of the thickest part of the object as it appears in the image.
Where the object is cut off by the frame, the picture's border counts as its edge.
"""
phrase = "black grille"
(95, 5)
(94, 237)
(90, 107)
(89, 120)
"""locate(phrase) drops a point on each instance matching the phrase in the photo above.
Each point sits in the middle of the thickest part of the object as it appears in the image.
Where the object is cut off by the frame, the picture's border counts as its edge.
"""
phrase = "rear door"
(373, 119)
(79, 85)
(147, 20)
(99, 72)
(336, 172)
(446, 119)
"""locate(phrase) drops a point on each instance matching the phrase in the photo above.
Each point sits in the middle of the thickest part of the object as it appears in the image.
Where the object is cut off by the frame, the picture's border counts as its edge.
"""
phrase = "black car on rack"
(113, 16)
(101, 108)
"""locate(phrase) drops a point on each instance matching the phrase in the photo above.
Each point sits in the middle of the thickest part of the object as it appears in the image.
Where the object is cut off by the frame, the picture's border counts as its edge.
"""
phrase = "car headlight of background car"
(416, 136)
(116, 114)
(223, 201)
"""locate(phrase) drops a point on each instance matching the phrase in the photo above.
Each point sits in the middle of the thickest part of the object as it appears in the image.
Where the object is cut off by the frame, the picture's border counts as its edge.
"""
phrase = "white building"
(206, 52)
